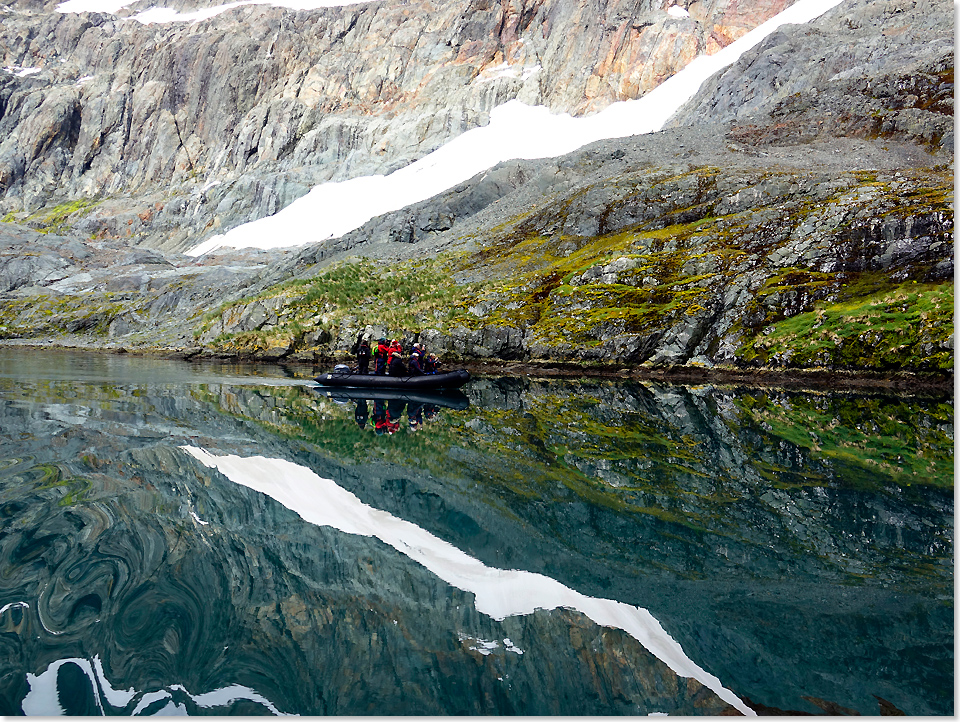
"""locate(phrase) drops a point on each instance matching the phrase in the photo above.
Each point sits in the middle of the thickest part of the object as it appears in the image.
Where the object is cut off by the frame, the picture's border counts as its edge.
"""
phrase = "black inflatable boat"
(345, 378)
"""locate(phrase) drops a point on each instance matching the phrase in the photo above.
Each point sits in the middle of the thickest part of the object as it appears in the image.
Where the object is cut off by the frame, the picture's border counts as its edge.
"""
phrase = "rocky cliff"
(180, 130)
(797, 213)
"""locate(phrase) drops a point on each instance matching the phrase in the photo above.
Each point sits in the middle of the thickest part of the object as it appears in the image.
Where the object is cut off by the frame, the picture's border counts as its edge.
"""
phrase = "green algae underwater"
(797, 546)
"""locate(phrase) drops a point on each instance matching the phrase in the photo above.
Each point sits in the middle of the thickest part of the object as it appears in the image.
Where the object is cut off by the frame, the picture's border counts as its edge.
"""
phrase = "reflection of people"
(394, 412)
(379, 417)
(415, 415)
(361, 413)
(363, 357)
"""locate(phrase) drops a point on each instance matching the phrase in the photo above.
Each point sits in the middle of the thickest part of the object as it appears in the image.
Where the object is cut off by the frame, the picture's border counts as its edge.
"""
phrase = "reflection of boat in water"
(450, 399)
(345, 378)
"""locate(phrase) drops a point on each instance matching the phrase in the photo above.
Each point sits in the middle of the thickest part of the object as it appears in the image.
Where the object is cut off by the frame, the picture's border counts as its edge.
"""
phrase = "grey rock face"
(187, 130)
(863, 69)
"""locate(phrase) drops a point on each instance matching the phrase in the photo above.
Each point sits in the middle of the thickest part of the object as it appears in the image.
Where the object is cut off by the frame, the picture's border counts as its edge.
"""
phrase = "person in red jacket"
(382, 357)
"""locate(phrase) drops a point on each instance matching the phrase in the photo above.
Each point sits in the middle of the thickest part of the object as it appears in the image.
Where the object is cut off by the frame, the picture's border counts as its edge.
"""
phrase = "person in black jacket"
(415, 368)
(363, 357)
(397, 367)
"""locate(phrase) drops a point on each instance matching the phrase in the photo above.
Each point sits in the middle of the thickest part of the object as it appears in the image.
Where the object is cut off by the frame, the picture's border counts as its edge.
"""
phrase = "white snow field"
(516, 131)
(498, 593)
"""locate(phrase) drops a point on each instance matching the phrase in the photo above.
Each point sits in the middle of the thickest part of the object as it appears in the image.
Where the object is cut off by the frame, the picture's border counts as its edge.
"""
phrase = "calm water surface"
(227, 540)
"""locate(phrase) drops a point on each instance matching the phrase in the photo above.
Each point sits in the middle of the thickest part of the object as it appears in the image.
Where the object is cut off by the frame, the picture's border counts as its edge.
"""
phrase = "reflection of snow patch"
(11, 605)
(511, 647)
(149, 698)
(43, 698)
(65, 414)
(498, 593)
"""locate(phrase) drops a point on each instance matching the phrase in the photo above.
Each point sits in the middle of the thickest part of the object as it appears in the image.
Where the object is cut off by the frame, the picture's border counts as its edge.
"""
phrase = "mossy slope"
(781, 269)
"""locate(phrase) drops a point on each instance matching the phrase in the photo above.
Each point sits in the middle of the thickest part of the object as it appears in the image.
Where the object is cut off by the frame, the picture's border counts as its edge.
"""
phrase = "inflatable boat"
(345, 378)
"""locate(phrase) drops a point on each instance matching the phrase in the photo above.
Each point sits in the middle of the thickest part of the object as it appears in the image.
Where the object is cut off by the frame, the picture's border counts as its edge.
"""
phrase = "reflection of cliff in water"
(782, 566)
(135, 579)
(790, 522)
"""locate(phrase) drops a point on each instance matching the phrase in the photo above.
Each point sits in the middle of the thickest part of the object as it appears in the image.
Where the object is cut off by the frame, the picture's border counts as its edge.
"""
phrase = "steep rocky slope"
(180, 130)
(798, 213)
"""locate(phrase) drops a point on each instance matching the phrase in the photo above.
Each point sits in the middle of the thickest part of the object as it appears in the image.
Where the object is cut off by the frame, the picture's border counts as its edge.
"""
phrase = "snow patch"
(21, 72)
(511, 647)
(475, 644)
(677, 12)
(93, 6)
(162, 15)
(505, 70)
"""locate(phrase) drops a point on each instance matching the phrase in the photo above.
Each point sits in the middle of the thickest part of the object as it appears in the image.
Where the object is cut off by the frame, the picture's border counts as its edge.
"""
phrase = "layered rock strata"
(182, 130)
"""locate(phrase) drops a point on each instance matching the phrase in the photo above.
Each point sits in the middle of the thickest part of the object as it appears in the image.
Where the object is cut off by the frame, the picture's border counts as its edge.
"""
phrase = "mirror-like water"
(227, 540)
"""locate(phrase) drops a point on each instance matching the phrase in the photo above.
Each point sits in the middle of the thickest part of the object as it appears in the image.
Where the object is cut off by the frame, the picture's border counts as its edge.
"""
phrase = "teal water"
(179, 538)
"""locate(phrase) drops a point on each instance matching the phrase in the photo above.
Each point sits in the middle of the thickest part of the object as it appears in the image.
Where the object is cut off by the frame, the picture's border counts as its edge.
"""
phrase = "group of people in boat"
(388, 359)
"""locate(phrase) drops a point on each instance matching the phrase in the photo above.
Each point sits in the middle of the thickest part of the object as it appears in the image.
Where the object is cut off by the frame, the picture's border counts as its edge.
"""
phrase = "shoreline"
(820, 380)
(815, 379)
